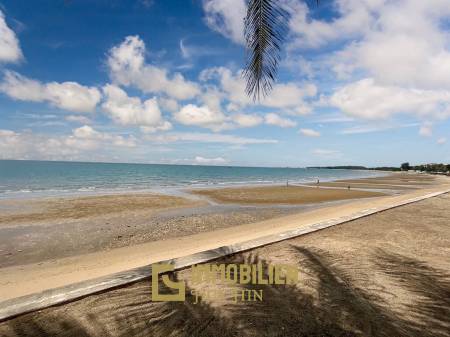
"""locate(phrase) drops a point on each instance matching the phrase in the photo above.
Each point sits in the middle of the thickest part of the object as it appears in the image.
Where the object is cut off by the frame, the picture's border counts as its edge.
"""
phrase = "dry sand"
(384, 275)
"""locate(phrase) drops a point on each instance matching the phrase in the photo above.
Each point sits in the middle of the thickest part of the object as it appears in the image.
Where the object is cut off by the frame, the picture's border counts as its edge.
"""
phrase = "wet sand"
(296, 195)
(35, 211)
(384, 275)
(36, 230)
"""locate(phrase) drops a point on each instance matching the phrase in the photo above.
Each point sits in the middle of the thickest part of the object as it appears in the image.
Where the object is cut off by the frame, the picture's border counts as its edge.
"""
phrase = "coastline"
(54, 272)
(377, 274)
(173, 185)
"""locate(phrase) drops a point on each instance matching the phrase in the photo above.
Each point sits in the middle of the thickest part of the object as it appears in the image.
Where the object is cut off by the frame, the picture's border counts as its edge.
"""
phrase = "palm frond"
(265, 27)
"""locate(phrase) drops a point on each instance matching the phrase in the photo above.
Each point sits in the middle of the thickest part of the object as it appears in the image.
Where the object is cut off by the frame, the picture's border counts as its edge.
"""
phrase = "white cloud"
(168, 104)
(353, 19)
(87, 133)
(442, 140)
(202, 116)
(408, 46)
(126, 110)
(9, 44)
(127, 67)
(164, 126)
(369, 100)
(226, 17)
(76, 146)
(247, 120)
(369, 128)
(78, 119)
(191, 51)
(210, 161)
(206, 138)
(334, 118)
(393, 55)
(426, 130)
(274, 119)
(326, 153)
(287, 96)
(309, 133)
(67, 95)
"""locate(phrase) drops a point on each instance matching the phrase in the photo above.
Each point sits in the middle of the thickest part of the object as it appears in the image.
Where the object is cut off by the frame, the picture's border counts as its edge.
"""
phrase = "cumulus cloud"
(309, 132)
(67, 95)
(354, 17)
(285, 96)
(164, 126)
(226, 17)
(81, 143)
(93, 137)
(126, 110)
(207, 138)
(274, 119)
(393, 55)
(127, 67)
(168, 104)
(247, 120)
(9, 44)
(367, 99)
(408, 46)
(202, 116)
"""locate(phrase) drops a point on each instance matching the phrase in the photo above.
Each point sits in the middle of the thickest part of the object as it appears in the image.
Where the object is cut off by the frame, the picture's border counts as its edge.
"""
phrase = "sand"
(282, 194)
(25, 279)
(383, 275)
(37, 230)
(84, 207)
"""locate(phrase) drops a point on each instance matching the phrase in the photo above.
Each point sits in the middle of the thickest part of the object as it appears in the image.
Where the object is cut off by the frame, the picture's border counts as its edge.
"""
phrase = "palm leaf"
(265, 29)
(265, 26)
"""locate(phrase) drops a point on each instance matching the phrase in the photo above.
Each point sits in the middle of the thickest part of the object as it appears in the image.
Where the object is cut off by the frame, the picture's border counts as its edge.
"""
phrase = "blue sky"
(362, 82)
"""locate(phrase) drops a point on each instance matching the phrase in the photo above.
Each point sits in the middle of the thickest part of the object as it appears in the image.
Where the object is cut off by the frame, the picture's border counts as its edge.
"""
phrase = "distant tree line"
(429, 168)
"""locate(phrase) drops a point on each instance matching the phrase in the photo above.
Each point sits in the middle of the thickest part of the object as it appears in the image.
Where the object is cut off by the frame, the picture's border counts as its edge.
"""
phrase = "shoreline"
(57, 272)
(165, 189)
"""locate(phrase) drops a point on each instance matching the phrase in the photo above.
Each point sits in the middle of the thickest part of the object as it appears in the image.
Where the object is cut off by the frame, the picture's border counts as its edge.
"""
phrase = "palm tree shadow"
(335, 307)
(430, 315)
(286, 310)
(338, 299)
(126, 312)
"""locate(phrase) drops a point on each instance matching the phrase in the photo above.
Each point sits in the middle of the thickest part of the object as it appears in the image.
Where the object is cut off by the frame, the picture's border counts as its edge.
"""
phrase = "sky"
(361, 82)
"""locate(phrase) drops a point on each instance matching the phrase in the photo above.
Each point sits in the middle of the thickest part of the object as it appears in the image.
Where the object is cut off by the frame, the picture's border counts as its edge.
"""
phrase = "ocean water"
(36, 178)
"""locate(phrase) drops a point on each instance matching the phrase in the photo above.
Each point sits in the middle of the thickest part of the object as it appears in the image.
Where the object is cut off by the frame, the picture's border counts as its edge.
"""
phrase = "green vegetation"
(429, 168)
(432, 168)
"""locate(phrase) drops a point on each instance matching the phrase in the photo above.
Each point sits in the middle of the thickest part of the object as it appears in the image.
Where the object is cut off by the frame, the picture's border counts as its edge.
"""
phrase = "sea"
(26, 178)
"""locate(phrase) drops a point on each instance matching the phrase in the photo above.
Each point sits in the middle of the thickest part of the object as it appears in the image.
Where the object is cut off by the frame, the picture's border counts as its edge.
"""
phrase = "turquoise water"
(30, 178)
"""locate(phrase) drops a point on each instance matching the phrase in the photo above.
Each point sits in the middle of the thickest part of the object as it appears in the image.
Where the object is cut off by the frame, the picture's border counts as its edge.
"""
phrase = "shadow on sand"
(329, 306)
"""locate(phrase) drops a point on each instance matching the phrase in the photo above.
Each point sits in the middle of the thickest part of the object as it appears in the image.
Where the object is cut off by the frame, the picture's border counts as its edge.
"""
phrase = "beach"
(37, 229)
(379, 275)
(52, 242)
